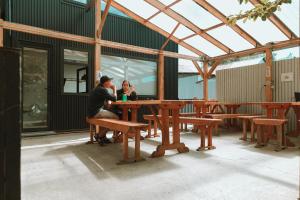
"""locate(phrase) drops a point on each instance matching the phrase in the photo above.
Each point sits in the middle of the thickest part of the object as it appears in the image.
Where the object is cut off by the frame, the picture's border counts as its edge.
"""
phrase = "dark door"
(35, 89)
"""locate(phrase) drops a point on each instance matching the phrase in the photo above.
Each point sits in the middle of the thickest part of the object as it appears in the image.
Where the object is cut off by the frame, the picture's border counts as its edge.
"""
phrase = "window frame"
(87, 65)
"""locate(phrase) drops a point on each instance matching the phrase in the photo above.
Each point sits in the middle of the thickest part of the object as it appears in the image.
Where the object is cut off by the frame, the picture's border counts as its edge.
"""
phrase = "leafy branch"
(261, 10)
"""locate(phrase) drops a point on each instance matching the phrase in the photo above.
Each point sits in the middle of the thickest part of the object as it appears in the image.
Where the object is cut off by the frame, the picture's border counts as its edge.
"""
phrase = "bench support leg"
(280, 138)
(149, 129)
(91, 135)
(252, 131)
(244, 136)
(125, 147)
(137, 151)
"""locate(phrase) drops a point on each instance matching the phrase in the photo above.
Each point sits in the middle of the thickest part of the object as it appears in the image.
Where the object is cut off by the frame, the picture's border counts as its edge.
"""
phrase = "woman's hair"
(127, 82)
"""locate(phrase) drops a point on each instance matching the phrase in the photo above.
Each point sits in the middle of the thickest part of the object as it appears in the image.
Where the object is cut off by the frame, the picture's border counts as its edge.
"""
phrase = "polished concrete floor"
(63, 167)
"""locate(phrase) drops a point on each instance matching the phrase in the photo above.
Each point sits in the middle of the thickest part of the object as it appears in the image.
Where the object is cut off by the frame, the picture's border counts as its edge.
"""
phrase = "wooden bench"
(123, 126)
(245, 120)
(183, 126)
(278, 124)
(224, 117)
(151, 118)
(205, 126)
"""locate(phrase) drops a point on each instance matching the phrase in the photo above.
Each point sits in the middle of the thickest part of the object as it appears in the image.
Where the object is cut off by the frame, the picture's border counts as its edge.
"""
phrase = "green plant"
(262, 10)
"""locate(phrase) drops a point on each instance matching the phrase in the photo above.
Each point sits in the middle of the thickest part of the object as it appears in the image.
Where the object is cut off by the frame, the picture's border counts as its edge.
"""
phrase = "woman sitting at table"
(127, 90)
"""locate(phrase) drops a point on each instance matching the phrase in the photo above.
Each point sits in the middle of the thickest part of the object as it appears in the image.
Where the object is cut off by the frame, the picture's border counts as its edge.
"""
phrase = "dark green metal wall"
(68, 111)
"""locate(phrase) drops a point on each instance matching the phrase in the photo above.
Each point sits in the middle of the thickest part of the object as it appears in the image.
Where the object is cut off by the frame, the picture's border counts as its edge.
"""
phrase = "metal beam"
(155, 28)
(103, 19)
(278, 23)
(189, 25)
(207, 6)
(169, 37)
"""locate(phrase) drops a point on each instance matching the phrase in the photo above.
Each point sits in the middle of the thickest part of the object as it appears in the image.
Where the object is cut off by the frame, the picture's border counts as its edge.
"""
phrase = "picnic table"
(166, 107)
(296, 107)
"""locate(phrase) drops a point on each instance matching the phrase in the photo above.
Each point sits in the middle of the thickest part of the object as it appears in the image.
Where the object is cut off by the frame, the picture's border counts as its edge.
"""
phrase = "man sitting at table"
(99, 97)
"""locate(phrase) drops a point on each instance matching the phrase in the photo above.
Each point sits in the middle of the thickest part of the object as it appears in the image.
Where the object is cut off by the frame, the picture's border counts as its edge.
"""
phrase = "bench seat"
(125, 127)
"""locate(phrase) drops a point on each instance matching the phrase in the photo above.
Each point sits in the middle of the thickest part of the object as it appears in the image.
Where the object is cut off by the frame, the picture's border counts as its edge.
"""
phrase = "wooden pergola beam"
(278, 23)
(155, 28)
(278, 45)
(198, 68)
(160, 11)
(205, 81)
(169, 37)
(103, 19)
(161, 76)
(189, 24)
(97, 52)
(268, 76)
(214, 27)
(207, 6)
(87, 40)
(213, 67)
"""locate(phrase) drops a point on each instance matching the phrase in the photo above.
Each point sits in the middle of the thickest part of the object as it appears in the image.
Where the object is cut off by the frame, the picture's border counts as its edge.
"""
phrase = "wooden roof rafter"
(156, 28)
(278, 23)
(215, 12)
(160, 11)
(157, 4)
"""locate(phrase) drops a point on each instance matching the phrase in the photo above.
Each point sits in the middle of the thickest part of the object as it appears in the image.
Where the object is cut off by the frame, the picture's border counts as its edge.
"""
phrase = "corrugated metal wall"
(69, 111)
(246, 84)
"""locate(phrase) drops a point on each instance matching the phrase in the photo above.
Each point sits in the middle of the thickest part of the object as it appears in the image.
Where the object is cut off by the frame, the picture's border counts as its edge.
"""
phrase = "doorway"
(35, 89)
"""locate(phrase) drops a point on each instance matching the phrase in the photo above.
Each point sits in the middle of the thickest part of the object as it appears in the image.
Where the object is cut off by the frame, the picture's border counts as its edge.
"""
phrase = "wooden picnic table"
(165, 106)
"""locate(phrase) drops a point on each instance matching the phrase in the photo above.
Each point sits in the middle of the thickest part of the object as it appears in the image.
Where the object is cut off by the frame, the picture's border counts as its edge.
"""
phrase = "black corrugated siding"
(69, 111)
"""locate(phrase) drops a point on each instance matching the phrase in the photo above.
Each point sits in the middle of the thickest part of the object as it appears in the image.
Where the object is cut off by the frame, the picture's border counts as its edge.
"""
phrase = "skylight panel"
(204, 46)
(167, 2)
(182, 32)
(263, 31)
(289, 15)
(164, 21)
(195, 13)
(139, 7)
(230, 38)
(230, 7)
(185, 51)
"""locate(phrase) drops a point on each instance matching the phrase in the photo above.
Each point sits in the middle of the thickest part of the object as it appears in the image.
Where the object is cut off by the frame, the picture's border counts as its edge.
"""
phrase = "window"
(81, 1)
(140, 73)
(75, 71)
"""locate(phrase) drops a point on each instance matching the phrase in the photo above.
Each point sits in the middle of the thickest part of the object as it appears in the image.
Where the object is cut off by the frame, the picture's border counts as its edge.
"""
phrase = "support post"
(97, 42)
(205, 81)
(268, 76)
(161, 76)
(1, 33)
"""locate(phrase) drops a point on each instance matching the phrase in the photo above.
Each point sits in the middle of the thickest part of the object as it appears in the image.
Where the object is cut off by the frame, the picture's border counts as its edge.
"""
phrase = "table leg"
(125, 147)
(252, 131)
(181, 148)
(137, 151)
(209, 138)
(244, 137)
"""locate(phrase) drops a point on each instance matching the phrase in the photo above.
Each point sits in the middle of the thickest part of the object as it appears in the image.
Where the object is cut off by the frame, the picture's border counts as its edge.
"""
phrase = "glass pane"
(230, 38)
(76, 56)
(289, 14)
(182, 32)
(75, 71)
(139, 7)
(164, 22)
(35, 83)
(142, 74)
(204, 46)
(75, 78)
(195, 13)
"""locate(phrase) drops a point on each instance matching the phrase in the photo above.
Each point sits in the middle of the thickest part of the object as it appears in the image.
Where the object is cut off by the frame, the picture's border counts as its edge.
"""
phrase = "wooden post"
(161, 76)
(1, 33)
(268, 76)
(97, 42)
(205, 81)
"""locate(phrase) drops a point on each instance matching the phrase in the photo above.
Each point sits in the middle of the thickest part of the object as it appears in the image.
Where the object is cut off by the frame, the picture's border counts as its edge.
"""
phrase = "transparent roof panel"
(204, 46)
(230, 7)
(195, 13)
(167, 2)
(230, 38)
(182, 32)
(112, 10)
(289, 15)
(164, 21)
(139, 7)
(185, 51)
(263, 31)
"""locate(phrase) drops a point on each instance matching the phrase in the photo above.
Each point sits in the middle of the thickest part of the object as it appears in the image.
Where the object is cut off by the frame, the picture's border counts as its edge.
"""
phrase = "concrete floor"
(63, 167)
